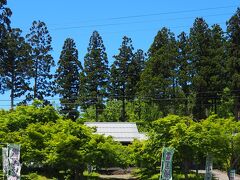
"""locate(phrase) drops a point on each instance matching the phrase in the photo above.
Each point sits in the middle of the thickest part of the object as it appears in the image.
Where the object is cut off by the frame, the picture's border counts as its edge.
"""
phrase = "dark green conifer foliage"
(158, 80)
(184, 70)
(233, 65)
(208, 59)
(16, 64)
(135, 69)
(120, 74)
(217, 67)
(40, 41)
(68, 80)
(5, 14)
(200, 39)
(95, 79)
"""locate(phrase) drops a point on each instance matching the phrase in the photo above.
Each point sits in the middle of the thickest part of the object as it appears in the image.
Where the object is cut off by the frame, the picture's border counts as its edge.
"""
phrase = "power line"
(157, 14)
(127, 23)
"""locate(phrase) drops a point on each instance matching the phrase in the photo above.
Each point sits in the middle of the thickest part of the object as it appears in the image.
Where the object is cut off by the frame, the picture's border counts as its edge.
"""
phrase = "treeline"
(189, 74)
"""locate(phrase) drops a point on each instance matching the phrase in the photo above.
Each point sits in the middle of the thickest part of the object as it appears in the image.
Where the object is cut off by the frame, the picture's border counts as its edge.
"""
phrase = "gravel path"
(123, 176)
(220, 175)
(223, 175)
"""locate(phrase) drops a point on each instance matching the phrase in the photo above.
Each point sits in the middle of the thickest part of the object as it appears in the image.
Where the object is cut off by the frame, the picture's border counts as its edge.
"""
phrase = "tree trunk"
(186, 169)
(12, 94)
(123, 118)
(96, 112)
(35, 81)
(12, 86)
(237, 109)
(76, 175)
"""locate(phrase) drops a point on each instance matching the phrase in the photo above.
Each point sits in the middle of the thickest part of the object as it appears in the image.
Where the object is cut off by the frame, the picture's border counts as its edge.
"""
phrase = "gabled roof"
(120, 131)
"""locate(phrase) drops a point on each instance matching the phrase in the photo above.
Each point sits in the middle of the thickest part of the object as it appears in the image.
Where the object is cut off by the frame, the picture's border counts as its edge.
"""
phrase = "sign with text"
(14, 166)
(166, 163)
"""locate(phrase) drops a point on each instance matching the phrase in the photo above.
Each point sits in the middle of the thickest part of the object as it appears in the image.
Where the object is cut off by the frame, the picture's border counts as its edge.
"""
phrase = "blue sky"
(137, 19)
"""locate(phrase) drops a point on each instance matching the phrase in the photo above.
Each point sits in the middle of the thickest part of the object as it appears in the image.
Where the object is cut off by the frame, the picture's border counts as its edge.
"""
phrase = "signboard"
(5, 160)
(166, 163)
(14, 166)
(209, 167)
(232, 174)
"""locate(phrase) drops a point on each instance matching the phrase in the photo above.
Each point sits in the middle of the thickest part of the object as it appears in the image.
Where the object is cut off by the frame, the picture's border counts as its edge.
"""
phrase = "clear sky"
(137, 19)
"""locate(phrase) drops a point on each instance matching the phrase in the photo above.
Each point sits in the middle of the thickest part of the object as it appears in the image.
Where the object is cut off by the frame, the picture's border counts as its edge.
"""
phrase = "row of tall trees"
(191, 74)
(25, 62)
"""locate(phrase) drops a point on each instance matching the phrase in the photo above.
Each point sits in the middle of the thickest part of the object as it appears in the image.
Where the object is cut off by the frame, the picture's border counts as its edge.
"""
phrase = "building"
(124, 132)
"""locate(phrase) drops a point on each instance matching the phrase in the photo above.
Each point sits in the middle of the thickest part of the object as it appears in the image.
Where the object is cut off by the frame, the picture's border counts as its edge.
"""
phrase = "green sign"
(166, 163)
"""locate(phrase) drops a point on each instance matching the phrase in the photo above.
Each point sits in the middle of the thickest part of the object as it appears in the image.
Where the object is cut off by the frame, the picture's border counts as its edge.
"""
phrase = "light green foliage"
(111, 113)
(48, 141)
(136, 111)
(192, 142)
(104, 152)
(226, 107)
(22, 116)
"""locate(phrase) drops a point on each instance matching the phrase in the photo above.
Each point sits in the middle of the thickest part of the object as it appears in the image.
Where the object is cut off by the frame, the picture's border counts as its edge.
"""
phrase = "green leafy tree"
(120, 74)
(68, 79)
(40, 41)
(226, 107)
(16, 64)
(233, 64)
(22, 116)
(158, 80)
(93, 90)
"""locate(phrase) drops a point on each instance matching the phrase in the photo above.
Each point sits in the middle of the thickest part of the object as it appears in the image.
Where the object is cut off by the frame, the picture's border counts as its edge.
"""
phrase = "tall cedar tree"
(5, 14)
(40, 41)
(68, 79)
(120, 74)
(218, 74)
(200, 39)
(17, 64)
(135, 69)
(158, 80)
(184, 70)
(233, 30)
(207, 55)
(96, 75)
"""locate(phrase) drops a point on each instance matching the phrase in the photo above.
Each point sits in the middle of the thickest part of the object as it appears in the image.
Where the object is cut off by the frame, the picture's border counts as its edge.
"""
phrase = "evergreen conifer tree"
(40, 41)
(207, 56)
(17, 65)
(5, 14)
(135, 69)
(120, 74)
(233, 64)
(200, 39)
(158, 80)
(93, 91)
(184, 70)
(68, 79)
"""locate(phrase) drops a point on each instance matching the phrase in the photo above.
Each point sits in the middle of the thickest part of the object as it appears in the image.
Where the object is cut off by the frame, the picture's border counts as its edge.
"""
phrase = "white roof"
(120, 131)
